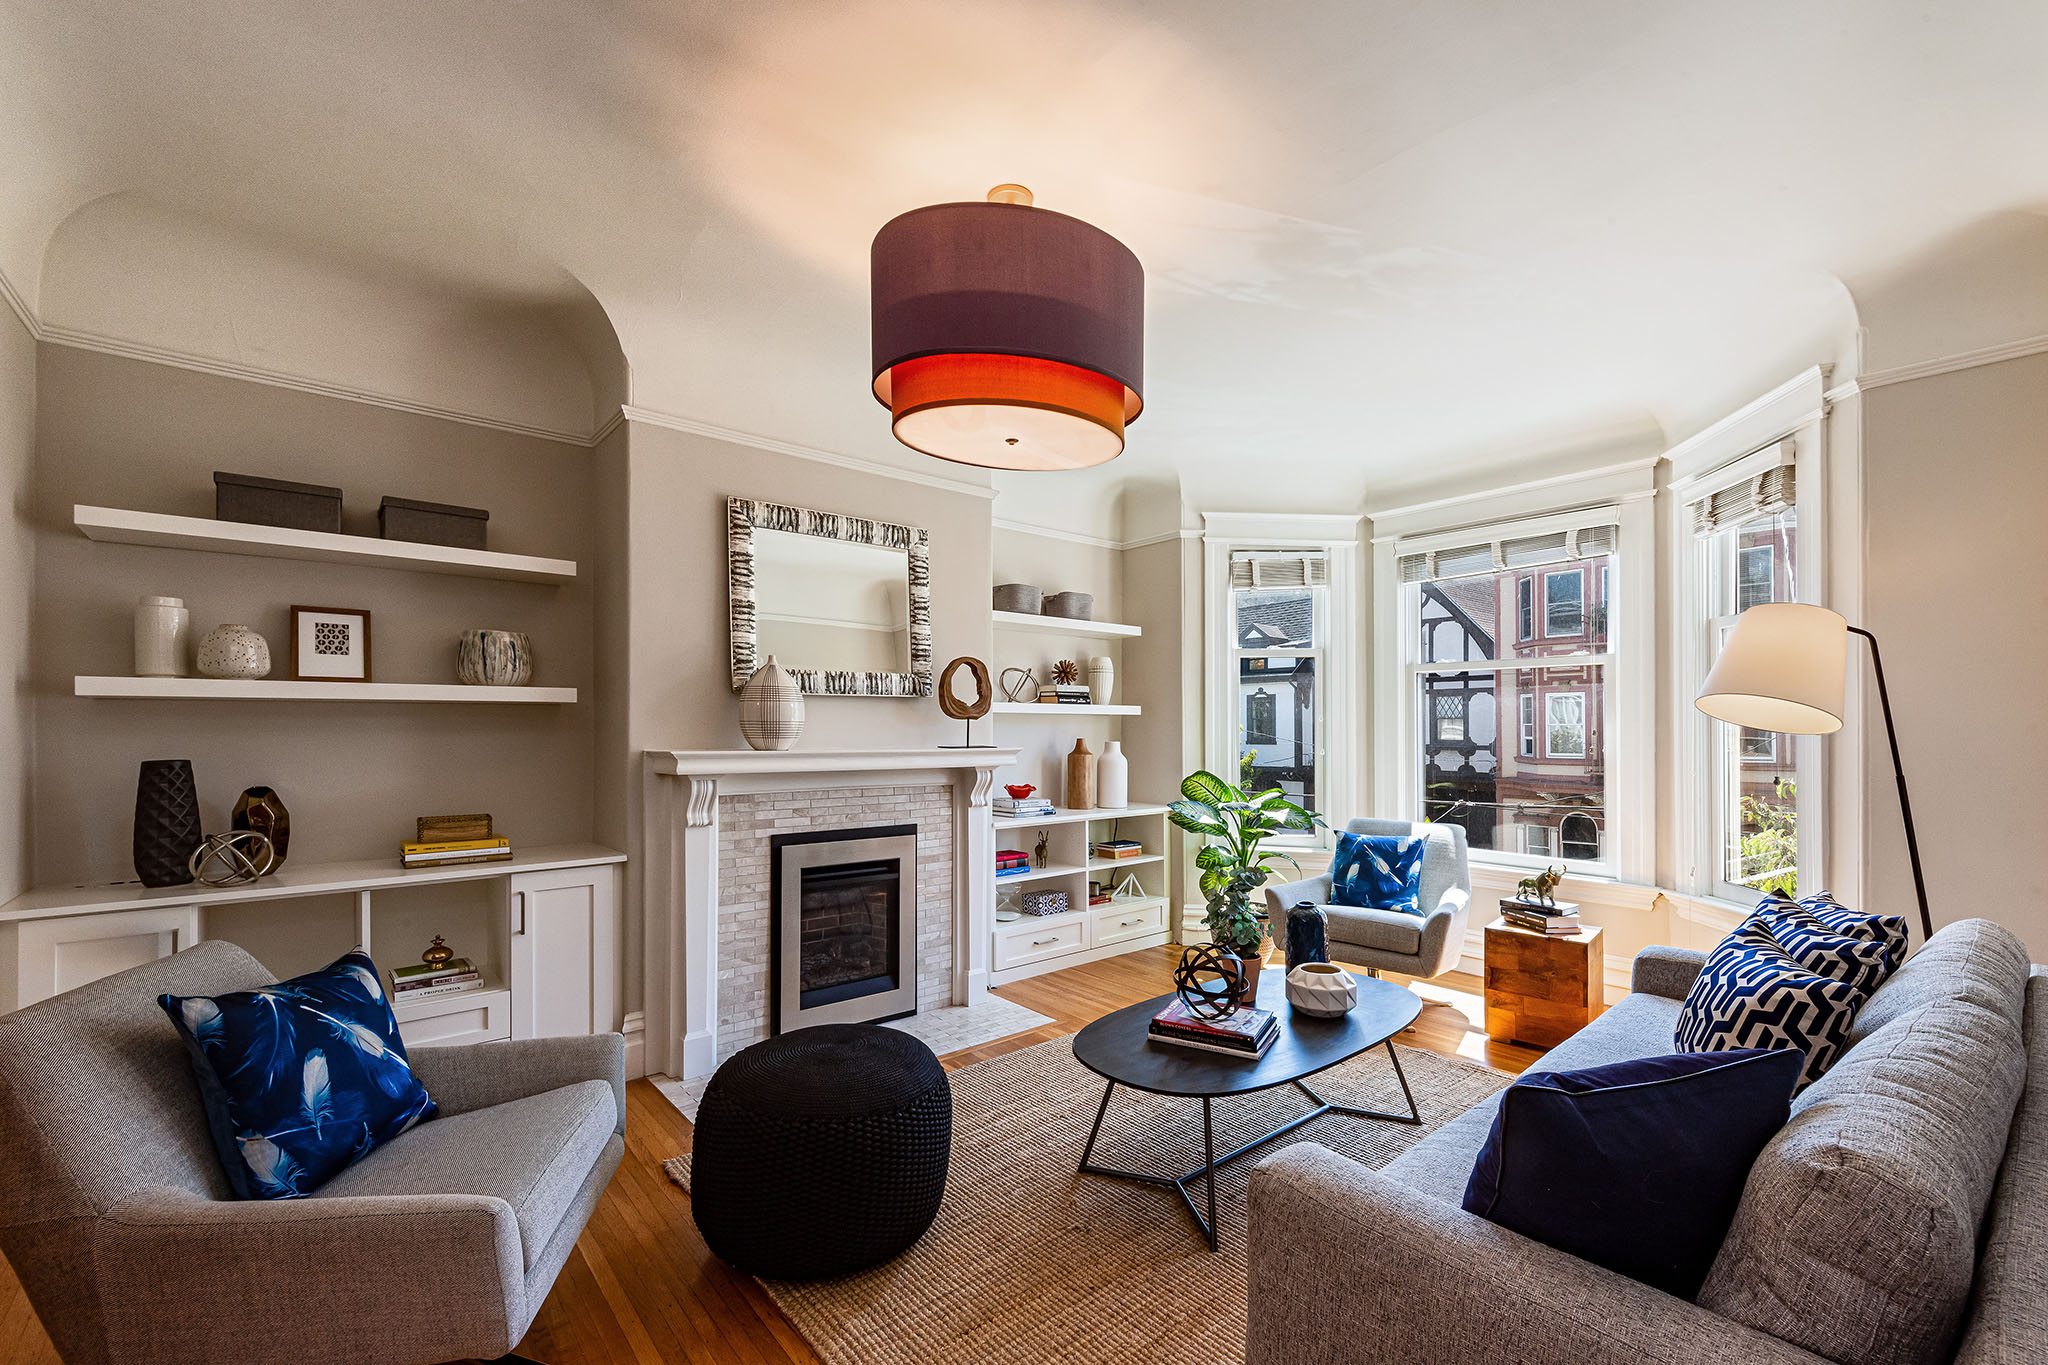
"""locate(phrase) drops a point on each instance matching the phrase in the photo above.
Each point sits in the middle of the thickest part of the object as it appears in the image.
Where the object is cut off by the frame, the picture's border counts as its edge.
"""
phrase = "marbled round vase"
(771, 708)
(494, 658)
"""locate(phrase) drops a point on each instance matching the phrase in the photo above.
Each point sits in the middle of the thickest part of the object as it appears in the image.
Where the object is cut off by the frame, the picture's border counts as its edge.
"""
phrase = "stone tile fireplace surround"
(709, 816)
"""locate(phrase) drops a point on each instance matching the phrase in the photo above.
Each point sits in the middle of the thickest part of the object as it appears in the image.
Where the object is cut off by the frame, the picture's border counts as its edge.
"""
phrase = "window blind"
(1485, 557)
(1765, 494)
(1255, 569)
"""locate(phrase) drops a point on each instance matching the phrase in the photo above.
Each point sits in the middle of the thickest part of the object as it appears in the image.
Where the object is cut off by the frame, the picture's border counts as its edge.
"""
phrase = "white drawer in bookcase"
(468, 1017)
(1024, 943)
(1115, 923)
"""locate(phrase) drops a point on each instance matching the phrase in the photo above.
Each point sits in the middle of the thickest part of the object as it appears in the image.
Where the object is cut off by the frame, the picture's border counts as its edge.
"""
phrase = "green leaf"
(1297, 818)
(1197, 818)
(1207, 789)
(1213, 856)
(1213, 881)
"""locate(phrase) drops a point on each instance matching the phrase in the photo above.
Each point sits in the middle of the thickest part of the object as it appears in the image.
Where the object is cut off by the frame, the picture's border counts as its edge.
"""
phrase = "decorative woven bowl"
(1075, 606)
(1019, 597)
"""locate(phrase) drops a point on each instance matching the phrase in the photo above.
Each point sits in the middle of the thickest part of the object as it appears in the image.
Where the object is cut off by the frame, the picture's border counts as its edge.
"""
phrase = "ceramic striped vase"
(771, 708)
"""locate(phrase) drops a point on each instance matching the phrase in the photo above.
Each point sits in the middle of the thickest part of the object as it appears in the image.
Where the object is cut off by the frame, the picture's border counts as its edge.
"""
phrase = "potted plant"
(1233, 825)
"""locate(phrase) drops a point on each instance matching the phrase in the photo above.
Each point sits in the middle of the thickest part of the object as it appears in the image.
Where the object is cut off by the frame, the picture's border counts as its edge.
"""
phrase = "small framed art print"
(330, 644)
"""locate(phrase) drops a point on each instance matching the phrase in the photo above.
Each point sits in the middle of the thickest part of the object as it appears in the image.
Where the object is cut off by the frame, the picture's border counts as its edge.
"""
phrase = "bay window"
(1280, 621)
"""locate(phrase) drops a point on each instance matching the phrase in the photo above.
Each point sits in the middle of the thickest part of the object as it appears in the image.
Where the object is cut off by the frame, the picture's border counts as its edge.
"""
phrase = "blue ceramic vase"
(1308, 935)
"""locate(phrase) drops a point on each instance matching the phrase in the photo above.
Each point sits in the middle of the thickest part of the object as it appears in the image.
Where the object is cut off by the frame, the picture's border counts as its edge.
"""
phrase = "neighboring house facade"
(1277, 692)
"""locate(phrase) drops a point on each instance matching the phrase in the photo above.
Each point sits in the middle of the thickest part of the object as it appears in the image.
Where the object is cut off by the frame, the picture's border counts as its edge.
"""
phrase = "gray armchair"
(1389, 940)
(442, 1244)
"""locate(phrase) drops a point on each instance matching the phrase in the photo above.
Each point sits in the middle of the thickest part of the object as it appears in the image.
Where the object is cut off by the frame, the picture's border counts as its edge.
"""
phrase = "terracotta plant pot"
(1248, 974)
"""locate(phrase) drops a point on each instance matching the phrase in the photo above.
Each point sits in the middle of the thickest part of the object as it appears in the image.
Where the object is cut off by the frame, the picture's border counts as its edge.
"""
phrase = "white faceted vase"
(1321, 989)
(233, 652)
(1113, 778)
(1101, 680)
(771, 708)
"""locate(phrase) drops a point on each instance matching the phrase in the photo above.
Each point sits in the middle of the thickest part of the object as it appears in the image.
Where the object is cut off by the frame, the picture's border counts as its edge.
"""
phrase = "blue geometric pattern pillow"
(1889, 930)
(1862, 962)
(299, 1079)
(1378, 872)
(1753, 993)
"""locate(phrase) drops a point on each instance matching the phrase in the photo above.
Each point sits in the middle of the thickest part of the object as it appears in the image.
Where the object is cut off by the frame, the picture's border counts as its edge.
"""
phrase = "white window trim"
(1525, 724)
(1337, 693)
(1732, 448)
(1585, 607)
(1585, 721)
(1619, 494)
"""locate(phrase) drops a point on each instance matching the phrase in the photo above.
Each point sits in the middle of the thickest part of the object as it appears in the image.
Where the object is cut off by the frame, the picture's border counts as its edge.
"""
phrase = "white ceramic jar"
(1113, 778)
(162, 631)
(1101, 679)
(1321, 989)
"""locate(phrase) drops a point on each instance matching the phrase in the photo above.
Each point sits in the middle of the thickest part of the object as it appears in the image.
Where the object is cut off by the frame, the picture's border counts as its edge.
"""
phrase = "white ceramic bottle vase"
(771, 708)
(1101, 679)
(1113, 778)
(162, 628)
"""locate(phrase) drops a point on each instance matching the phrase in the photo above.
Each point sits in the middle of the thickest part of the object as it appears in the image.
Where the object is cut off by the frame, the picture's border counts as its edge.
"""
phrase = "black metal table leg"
(1209, 1172)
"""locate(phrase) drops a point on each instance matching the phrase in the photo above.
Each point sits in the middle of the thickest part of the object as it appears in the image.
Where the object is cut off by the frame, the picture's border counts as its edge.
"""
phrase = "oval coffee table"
(1117, 1048)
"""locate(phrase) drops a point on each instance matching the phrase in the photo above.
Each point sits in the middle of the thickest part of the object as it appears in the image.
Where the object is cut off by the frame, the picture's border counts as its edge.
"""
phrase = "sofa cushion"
(1440, 1164)
(533, 1153)
(1390, 931)
(1972, 960)
(300, 1078)
(1889, 930)
(1636, 1165)
(1861, 962)
(2008, 1313)
(1857, 1233)
(1378, 871)
(1754, 993)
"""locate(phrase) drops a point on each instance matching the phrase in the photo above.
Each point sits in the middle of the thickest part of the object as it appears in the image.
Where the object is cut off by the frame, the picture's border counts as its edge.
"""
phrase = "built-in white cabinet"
(1133, 916)
(542, 929)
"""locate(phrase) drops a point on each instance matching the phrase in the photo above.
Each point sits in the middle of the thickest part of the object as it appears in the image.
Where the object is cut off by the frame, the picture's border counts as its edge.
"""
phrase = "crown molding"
(1798, 401)
(654, 417)
(1162, 538)
(1629, 481)
(1949, 364)
(1025, 528)
(1283, 528)
(20, 306)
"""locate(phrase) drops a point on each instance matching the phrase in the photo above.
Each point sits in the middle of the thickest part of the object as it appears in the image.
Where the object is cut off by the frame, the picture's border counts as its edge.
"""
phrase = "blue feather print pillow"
(1378, 872)
(300, 1079)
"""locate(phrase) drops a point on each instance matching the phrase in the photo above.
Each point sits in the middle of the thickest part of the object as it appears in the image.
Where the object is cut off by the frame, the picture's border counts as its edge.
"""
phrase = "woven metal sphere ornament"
(1206, 998)
(232, 859)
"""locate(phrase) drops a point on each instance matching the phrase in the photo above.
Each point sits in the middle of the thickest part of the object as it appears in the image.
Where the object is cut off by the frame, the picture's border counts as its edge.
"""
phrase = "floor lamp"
(1784, 668)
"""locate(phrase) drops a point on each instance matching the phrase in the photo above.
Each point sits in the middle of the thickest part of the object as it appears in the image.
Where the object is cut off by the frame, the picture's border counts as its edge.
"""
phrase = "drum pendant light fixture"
(1007, 336)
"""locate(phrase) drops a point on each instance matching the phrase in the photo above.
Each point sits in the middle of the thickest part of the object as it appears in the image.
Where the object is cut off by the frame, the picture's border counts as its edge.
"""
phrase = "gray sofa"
(440, 1245)
(1392, 940)
(1899, 1218)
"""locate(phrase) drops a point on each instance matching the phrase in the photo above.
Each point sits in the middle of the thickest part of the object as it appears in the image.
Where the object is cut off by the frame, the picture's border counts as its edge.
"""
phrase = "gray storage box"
(276, 502)
(1075, 606)
(433, 523)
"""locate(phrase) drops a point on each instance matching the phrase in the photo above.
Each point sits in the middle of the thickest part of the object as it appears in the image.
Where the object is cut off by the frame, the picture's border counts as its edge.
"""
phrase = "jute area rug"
(1030, 1262)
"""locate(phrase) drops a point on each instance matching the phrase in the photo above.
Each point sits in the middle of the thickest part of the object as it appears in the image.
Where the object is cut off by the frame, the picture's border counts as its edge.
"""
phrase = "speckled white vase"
(233, 652)
(771, 708)
(1320, 989)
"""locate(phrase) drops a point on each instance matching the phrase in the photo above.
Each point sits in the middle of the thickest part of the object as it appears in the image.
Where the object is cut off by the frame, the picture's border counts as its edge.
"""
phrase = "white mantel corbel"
(679, 887)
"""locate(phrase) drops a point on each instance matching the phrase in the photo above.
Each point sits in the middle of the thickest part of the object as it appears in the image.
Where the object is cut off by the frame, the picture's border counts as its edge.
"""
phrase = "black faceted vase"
(1308, 934)
(166, 821)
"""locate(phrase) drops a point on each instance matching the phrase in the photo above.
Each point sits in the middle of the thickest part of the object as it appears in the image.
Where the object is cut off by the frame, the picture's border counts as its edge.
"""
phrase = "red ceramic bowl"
(1019, 790)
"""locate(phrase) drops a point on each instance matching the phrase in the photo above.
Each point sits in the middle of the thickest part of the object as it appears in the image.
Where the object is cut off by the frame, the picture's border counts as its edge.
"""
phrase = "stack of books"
(422, 981)
(1118, 848)
(1560, 919)
(449, 852)
(1245, 1032)
(1063, 694)
(1012, 862)
(1024, 807)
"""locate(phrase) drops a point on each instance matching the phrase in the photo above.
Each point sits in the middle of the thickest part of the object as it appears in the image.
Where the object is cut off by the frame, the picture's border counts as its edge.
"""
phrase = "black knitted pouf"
(821, 1152)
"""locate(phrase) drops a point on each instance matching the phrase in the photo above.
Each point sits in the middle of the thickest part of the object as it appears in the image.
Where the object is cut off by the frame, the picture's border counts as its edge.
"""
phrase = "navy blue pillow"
(300, 1079)
(1754, 991)
(1637, 1166)
(1378, 872)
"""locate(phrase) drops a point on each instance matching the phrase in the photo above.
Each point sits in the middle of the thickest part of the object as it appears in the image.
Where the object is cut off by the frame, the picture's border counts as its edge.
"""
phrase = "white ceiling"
(1388, 245)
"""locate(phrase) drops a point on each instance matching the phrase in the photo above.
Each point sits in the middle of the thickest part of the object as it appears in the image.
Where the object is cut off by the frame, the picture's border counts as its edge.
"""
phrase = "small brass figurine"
(438, 954)
(1536, 890)
(1039, 854)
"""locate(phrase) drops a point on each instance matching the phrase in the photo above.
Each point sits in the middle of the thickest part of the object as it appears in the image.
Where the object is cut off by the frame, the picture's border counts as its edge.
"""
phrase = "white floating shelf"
(1062, 625)
(265, 689)
(1039, 874)
(1069, 816)
(119, 526)
(1111, 864)
(1043, 708)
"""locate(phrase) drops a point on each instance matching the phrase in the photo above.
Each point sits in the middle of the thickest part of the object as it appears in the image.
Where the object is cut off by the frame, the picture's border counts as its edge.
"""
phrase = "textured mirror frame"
(742, 515)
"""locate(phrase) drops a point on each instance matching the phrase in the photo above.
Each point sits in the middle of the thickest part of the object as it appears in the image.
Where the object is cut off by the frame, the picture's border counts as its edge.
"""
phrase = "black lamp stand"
(1891, 733)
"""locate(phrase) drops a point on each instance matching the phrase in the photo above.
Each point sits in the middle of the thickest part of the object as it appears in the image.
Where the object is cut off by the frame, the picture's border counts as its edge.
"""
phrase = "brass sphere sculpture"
(1205, 997)
(235, 858)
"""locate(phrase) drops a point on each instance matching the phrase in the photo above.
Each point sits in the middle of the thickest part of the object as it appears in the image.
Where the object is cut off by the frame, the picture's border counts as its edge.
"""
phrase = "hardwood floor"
(641, 1287)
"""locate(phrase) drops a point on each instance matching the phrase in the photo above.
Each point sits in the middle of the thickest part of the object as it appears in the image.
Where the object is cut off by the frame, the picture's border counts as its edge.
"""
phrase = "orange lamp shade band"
(1007, 411)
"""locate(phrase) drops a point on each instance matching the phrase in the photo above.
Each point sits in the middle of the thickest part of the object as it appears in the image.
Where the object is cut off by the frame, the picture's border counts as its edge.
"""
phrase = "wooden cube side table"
(1542, 988)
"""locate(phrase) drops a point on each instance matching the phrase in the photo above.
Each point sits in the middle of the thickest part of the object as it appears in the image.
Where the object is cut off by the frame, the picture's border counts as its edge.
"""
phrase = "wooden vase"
(1081, 777)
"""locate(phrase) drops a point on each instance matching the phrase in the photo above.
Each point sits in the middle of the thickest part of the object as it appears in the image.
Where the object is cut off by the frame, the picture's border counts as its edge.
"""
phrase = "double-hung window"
(1755, 792)
(1279, 622)
(1514, 634)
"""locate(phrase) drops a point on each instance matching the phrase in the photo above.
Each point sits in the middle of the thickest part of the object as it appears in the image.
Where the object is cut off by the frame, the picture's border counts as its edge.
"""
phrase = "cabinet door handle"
(519, 898)
(1041, 942)
(1127, 923)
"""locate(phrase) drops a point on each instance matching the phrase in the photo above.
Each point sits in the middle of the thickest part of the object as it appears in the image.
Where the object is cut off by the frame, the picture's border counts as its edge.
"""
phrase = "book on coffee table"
(1245, 1032)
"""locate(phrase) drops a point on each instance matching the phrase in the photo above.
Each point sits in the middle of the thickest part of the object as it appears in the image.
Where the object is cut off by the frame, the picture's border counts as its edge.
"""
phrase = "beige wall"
(1162, 594)
(1058, 564)
(1956, 590)
(17, 579)
(126, 433)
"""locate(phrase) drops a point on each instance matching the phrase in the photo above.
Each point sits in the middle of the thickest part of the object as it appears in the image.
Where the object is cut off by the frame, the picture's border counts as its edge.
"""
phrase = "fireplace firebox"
(843, 929)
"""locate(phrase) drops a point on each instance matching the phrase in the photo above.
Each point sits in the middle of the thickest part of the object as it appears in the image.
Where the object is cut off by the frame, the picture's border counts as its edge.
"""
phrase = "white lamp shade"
(1782, 669)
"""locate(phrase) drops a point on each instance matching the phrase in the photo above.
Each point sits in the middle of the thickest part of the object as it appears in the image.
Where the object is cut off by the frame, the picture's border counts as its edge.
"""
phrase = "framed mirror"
(843, 603)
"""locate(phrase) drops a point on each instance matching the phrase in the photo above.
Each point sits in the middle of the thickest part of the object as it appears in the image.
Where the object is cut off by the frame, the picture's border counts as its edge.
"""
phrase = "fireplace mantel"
(679, 874)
